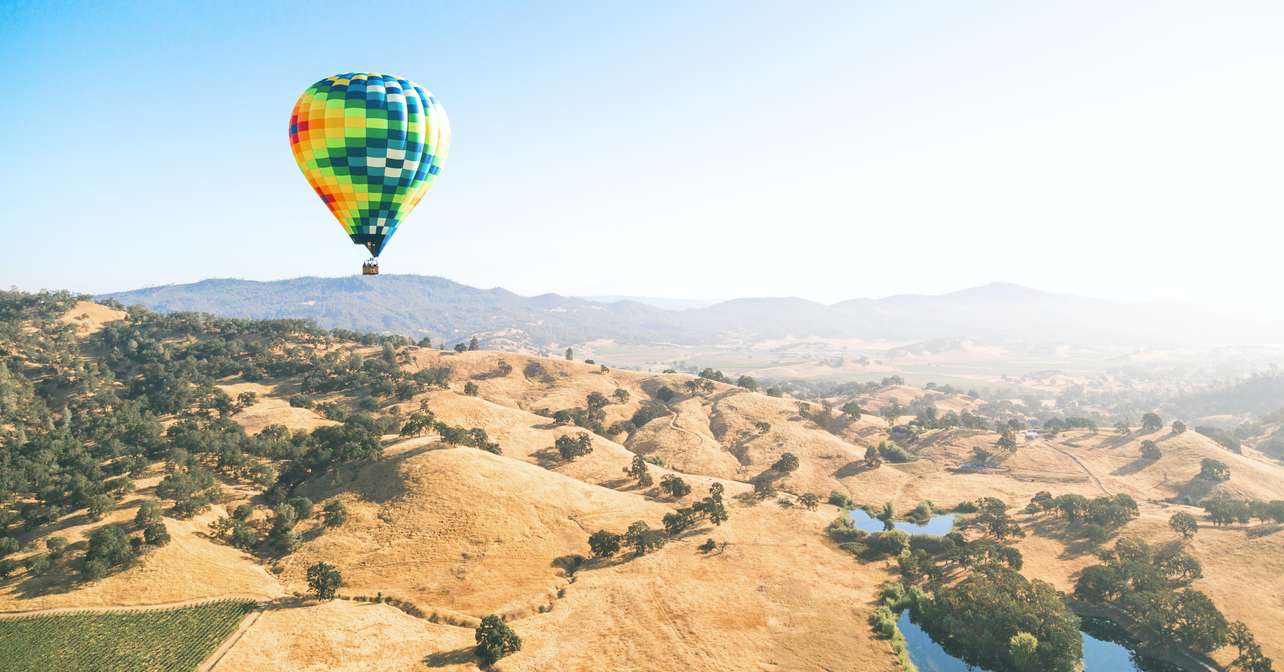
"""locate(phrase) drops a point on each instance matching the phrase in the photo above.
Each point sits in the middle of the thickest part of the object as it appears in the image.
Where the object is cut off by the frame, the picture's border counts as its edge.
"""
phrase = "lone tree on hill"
(1179, 427)
(495, 640)
(1150, 450)
(1213, 470)
(852, 410)
(596, 400)
(473, 344)
(787, 463)
(335, 513)
(324, 580)
(810, 500)
(872, 459)
(1151, 422)
(675, 486)
(1184, 524)
(638, 470)
(570, 354)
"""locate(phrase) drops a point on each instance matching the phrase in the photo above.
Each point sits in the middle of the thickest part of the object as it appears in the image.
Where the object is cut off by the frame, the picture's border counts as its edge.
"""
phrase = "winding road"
(1084, 467)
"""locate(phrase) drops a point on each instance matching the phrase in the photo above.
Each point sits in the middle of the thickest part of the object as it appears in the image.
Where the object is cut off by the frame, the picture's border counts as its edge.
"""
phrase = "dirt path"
(222, 650)
(1082, 466)
(673, 424)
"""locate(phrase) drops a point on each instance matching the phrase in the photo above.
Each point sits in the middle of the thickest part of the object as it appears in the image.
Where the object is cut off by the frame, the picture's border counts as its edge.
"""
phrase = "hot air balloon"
(371, 145)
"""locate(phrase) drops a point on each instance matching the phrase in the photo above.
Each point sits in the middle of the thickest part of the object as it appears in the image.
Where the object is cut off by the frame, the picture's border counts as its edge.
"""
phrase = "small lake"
(939, 525)
(1099, 655)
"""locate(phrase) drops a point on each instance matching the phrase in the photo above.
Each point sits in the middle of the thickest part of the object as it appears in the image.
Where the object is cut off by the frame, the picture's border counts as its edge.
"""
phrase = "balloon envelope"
(371, 146)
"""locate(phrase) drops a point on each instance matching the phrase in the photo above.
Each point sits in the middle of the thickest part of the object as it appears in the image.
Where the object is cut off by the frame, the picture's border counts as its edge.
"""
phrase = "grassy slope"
(460, 532)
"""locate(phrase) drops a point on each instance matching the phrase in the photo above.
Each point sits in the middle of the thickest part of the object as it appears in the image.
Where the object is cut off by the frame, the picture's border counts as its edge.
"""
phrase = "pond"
(1099, 655)
(938, 526)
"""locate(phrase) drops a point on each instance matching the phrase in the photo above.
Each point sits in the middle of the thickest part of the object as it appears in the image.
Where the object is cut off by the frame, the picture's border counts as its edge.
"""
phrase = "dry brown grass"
(89, 317)
(460, 533)
(343, 636)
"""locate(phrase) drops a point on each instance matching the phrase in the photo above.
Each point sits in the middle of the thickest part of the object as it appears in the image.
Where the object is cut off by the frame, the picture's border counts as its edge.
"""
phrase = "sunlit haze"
(828, 151)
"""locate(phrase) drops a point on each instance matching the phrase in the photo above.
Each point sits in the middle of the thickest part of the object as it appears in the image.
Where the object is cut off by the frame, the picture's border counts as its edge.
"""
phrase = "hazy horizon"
(826, 151)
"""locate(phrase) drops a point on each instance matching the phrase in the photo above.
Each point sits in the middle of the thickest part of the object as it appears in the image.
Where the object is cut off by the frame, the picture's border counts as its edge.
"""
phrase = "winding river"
(1100, 652)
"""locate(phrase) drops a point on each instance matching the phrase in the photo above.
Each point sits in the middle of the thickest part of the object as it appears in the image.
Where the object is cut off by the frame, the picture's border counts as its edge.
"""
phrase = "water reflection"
(1099, 655)
(938, 526)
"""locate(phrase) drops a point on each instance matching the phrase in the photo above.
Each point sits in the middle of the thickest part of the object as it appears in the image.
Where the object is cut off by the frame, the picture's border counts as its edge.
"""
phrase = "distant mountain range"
(655, 302)
(447, 311)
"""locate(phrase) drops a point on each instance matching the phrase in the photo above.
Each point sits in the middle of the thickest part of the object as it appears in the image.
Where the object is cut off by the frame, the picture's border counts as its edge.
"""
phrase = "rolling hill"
(439, 534)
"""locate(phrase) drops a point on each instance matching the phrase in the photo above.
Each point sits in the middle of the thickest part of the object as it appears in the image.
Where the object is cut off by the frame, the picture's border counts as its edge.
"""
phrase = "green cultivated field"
(168, 640)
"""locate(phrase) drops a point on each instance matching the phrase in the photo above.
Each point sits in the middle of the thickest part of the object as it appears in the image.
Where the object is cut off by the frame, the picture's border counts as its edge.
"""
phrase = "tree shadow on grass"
(452, 658)
(548, 457)
(1133, 467)
(381, 476)
(1070, 535)
(852, 468)
(1263, 531)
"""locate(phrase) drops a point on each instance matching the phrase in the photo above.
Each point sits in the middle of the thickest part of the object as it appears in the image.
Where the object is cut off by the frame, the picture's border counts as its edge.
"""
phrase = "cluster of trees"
(886, 450)
(73, 430)
(865, 545)
(969, 595)
(826, 418)
(710, 508)
(998, 619)
(111, 547)
(926, 416)
(1153, 585)
(639, 471)
(593, 414)
(639, 536)
(1056, 425)
(571, 447)
(1099, 517)
(642, 539)
(423, 421)
(992, 519)
(275, 536)
(1225, 511)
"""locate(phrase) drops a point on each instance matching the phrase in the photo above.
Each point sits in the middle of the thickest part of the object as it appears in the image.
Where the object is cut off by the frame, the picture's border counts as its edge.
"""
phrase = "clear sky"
(1128, 150)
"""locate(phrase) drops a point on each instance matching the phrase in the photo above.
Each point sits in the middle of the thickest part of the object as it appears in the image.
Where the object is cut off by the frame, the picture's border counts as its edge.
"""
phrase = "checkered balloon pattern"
(371, 146)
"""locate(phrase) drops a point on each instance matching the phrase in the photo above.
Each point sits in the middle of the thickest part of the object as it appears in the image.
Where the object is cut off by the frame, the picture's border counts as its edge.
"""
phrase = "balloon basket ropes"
(370, 267)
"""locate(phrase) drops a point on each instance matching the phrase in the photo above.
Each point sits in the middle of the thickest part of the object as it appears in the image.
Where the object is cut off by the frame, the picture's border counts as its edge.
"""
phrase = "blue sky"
(691, 150)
